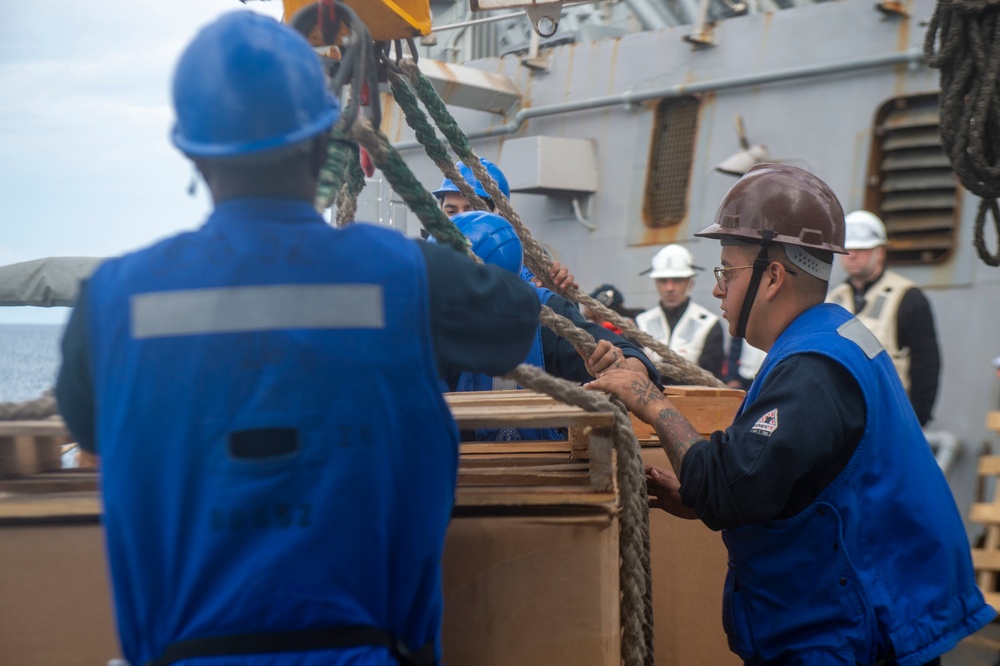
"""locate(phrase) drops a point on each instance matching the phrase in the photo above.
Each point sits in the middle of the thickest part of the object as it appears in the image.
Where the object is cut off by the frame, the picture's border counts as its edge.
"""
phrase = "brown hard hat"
(796, 206)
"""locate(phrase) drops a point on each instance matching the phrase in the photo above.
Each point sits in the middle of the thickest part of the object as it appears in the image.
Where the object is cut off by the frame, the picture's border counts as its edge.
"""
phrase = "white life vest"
(881, 314)
(687, 340)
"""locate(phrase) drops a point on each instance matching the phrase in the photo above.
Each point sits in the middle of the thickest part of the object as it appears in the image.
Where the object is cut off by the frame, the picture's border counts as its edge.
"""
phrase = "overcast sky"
(86, 165)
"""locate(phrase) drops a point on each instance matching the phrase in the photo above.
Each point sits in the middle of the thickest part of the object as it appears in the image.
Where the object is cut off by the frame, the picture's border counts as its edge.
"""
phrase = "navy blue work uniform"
(822, 476)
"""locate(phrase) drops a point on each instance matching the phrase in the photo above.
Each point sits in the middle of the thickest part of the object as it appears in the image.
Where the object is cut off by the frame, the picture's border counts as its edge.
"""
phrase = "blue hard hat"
(492, 238)
(247, 84)
(470, 178)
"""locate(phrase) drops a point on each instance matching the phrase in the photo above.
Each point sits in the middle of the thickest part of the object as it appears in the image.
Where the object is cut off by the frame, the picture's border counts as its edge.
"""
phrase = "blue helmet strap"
(759, 265)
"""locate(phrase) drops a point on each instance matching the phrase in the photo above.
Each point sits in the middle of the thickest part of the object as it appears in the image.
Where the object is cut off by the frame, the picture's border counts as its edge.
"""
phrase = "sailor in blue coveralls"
(494, 240)
(845, 544)
(453, 203)
(278, 463)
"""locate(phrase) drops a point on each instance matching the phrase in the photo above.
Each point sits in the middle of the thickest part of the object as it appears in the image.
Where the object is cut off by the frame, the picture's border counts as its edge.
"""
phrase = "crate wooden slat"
(62, 506)
(507, 448)
(56, 481)
(589, 432)
(986, 555)
(982, 559)
(520, 476)
(985, 513)
(53, 427)
(26, 453)
(993, 421)
(523, 416)
(708, 409)
(988, 466)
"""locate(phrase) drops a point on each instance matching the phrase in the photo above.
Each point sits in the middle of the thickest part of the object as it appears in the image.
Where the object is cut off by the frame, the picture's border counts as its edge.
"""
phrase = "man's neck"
(674, 314)
(680, 307)
(861, 285)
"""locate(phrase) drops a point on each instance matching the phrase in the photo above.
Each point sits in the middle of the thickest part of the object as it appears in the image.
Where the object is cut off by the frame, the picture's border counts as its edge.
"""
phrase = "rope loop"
(987, 206)
(967, 36)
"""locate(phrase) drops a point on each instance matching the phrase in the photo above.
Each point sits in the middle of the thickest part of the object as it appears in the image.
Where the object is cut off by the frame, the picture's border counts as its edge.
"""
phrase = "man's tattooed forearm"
(646, 391)
(676, 435)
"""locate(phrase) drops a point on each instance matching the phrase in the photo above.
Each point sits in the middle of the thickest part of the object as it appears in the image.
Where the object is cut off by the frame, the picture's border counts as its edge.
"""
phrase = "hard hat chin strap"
(759, 266)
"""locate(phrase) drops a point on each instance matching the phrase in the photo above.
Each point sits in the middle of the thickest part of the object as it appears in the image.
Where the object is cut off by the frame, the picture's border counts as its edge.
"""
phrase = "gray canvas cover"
(48, 282)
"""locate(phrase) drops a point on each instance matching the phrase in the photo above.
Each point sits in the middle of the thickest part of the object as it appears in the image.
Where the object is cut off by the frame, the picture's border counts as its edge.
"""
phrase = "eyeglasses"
(722, 274)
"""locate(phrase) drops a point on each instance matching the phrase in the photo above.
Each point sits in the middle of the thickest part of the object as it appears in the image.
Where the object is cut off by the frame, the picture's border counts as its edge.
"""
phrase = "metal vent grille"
(670, 154)
(911, 184)
(485, 41)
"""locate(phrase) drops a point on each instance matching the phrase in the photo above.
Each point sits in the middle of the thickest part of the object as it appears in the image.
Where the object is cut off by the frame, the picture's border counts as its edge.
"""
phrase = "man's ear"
(776, 278)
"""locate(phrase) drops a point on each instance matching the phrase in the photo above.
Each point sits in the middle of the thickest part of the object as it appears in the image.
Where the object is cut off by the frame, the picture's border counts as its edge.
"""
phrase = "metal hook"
(549, 12)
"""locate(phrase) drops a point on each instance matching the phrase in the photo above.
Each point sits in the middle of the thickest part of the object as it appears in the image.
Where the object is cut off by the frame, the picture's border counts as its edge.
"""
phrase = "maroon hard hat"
(796, 206)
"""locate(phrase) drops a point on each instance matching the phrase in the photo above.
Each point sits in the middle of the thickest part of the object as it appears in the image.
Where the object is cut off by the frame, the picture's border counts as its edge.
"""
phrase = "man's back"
(253, 481)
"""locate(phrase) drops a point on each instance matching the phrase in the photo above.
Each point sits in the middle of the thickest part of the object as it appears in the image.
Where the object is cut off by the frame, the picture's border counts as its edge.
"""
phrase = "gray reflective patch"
(859, 334)
(264, 308)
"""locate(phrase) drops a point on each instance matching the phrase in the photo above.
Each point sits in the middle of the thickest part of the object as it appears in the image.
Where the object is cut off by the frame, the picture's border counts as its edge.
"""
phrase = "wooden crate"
(30, 447)
(530, 565)
(687, 601)
(986, 512)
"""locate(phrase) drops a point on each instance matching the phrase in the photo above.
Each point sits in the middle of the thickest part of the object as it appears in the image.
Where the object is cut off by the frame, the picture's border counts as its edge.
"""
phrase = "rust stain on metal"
(527, 80)
(899, 87)
(768, 20)
(449, 87)
(613, 63)
(904, 33)
(861, 139)
(571, 54)
(661, 235)
(689, 78)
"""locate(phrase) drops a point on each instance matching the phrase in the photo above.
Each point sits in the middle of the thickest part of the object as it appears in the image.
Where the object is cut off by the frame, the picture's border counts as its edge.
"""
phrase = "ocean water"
(29, 360)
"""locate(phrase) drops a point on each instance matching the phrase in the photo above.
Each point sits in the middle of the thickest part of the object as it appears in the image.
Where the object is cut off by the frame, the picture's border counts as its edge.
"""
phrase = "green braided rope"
(347, 197)
(419, 200)
(340, 153)
(427, 137)
(673, 365)
(534, 256)
(437, 109)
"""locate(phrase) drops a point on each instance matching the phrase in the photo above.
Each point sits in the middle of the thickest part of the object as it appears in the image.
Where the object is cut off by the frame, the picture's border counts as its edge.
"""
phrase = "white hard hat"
(673, 261)
(863, 231)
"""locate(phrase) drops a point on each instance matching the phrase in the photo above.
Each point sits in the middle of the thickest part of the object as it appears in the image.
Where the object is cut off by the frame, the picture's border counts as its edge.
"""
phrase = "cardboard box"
(55, 604)
(689, 564)
(532, 589)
